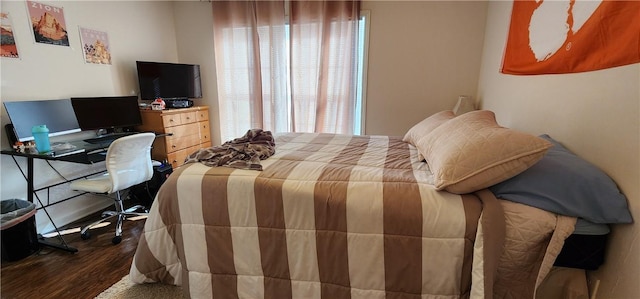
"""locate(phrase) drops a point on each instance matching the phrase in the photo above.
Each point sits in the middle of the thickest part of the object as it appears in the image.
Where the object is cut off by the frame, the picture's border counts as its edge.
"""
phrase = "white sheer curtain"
(323, 65)
(267, 78)
(250, 64)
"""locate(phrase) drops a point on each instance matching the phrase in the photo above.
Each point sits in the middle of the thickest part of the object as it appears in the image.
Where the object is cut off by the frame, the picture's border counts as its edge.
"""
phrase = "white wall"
(422, 55)
(137, 30)
(595, 114)
(194, 35)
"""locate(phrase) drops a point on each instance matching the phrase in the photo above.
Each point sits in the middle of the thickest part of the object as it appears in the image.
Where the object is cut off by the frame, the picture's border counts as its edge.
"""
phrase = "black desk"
(93, 153)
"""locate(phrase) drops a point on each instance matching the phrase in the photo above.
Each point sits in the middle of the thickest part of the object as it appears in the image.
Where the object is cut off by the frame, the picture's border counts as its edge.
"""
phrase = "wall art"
(8, 47)
(48, 24)
(95, 46)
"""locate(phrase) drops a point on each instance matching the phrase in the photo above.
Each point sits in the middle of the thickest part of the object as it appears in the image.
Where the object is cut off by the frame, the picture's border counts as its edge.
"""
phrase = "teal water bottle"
(41, 137)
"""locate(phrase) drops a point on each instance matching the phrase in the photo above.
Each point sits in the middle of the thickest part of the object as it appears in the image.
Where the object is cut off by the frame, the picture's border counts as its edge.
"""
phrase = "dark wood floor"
(53, 273)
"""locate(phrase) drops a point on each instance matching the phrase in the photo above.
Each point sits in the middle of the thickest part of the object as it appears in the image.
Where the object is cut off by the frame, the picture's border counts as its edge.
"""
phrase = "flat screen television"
(109, 113)
(168, 80)
(57, 115)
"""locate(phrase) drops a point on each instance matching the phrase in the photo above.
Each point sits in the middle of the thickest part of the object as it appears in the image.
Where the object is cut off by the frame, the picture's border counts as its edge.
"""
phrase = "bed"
(342, 216)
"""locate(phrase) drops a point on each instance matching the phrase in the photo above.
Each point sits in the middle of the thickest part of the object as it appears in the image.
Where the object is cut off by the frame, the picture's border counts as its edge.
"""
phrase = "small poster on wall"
(95, 46)
(8, 47)
(48, 24)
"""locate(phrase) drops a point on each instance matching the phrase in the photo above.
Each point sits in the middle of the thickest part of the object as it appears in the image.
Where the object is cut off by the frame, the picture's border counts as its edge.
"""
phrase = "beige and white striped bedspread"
(330, 216)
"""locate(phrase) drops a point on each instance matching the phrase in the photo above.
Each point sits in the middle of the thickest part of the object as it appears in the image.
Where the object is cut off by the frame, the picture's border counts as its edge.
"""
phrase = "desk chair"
(128, 163)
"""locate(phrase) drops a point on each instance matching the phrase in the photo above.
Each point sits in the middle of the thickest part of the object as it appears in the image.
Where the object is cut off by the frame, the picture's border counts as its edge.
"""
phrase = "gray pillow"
(566, 184)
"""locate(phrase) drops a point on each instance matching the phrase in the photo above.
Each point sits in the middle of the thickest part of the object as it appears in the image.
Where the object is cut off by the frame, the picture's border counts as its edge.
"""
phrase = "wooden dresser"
(188, 128)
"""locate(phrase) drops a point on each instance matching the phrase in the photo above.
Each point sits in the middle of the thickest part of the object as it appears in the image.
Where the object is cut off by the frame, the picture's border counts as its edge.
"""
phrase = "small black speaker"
(160, 175)
(145, 193)
(11, 134)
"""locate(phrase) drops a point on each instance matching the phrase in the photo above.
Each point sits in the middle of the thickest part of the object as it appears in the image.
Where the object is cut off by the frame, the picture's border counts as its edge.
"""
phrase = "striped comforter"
(330, 216)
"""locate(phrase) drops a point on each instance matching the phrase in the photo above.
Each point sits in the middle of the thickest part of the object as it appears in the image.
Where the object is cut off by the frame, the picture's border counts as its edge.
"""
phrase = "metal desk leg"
(30, 179)
(30, 192)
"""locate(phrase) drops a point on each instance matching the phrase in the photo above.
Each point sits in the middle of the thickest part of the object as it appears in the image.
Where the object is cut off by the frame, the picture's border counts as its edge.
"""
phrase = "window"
(361, 84)
(266, 67)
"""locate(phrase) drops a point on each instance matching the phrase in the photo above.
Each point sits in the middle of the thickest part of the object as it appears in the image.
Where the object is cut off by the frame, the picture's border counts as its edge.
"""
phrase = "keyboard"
(107, 138)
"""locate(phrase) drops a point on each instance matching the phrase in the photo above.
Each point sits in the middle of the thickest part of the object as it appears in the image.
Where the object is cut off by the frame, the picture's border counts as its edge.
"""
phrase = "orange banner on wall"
(570, 36)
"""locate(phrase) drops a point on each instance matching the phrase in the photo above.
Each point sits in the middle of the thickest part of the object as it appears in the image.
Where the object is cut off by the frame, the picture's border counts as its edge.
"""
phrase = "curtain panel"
(286, 73)
(323, 53)
(249, 38)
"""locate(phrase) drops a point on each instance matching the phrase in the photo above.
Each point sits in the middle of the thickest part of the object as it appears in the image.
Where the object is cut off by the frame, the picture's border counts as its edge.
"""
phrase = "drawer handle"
(171, 120)
(173, 146)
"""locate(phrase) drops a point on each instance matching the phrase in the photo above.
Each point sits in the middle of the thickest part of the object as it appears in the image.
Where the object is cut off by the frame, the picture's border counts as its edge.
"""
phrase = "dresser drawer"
(204, 131)
(182, 142)
(171, 120)
(202, 115)
(183, 130)
(177, 158)
(188, 117)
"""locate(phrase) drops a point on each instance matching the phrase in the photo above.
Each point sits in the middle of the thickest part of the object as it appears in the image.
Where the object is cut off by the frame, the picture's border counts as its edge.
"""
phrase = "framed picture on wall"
(8, 47)
(95, 46)
(48, 24)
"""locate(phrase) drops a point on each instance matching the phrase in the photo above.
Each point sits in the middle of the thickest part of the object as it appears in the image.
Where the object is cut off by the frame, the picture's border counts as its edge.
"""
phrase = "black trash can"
(18, 236)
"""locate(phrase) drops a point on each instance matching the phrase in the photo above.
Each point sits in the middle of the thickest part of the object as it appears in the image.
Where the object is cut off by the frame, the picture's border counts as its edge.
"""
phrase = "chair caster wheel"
(85, 235)
(116, 240)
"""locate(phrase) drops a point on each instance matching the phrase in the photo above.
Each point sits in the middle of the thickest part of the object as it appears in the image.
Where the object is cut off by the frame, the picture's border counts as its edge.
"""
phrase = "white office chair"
(128, 163)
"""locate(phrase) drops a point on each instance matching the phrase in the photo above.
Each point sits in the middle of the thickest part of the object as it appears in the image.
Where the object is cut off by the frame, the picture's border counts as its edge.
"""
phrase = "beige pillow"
(427, 125)
(472, 152)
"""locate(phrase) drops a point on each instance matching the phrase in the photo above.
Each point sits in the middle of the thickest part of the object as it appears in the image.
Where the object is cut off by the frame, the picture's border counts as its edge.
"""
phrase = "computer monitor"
(110, 113)
(57, 115)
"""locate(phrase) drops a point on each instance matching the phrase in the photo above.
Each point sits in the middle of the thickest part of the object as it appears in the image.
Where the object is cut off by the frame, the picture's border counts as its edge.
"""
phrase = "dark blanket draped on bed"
(243, 153)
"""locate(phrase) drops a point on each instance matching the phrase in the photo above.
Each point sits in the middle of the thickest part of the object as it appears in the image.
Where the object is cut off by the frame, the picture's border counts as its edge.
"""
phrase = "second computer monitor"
(94, 113)
(57, 115)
